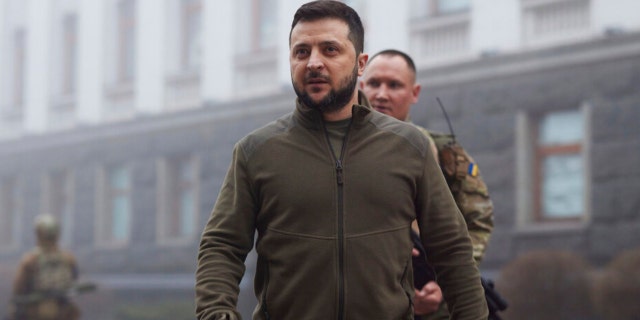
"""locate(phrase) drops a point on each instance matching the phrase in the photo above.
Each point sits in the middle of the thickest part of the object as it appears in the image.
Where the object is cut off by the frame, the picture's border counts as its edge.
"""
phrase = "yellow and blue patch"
(473, 169)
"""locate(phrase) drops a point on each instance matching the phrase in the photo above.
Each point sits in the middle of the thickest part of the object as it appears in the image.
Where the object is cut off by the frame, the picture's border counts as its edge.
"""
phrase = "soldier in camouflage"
(44, 277)
(389, 82)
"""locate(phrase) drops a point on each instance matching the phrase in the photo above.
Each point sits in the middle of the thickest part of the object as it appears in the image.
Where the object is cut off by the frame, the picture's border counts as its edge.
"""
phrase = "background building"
(119, 117)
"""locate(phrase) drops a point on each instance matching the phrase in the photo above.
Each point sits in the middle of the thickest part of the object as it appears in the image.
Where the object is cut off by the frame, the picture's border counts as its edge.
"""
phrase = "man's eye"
(301, 52)
(374, 84)
(332, 49)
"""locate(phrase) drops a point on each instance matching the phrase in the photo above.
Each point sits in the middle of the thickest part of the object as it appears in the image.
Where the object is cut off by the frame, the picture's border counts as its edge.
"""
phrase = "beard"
(335, 99)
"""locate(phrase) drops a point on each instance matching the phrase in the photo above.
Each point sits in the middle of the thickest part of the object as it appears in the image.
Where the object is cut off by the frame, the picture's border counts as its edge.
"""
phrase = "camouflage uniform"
(45, 277)
(40, 274)
(471, 195)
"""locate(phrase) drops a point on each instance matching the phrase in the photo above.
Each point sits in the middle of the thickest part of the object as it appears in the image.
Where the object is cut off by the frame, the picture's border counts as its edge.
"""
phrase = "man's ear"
(362, 62)
(416, 92)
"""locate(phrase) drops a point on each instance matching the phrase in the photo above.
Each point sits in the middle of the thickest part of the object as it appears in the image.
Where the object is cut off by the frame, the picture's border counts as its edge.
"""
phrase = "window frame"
(106, 197)
(258, 42)
(19, 64)
(189, 9)
(432, 9)
(170, 191)
(542, 29)
(527, 180)
(126, 11)
(10, 192)
(542, 152)
(437, 10)
(69, 53)
(58, 199)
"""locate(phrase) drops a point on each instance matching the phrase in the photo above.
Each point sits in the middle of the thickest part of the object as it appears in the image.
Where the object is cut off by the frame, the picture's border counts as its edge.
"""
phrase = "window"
(553, 21)
(440, 31)
(69, 49)
(256, 59)
(449, 6)
(184, 54)
(178, 198)
(58, 201)
(121, 56)
(19, 58)
(264, 24)
(422, 8)
(114, 221)
(191, 33)
(9, 212)
(126, 40)
(560, 166)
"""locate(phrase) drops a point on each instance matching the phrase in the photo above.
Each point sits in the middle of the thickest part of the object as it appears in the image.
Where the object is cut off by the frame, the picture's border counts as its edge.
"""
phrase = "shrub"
(546, 284)
(617, 291)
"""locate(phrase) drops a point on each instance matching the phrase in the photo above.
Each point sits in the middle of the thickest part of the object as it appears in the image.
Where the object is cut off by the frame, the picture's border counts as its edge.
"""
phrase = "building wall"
(234, 63)
(483, 112)
(485, 101)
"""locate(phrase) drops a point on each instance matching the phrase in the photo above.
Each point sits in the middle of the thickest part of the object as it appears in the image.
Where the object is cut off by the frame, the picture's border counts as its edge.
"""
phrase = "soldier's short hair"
(397, 53)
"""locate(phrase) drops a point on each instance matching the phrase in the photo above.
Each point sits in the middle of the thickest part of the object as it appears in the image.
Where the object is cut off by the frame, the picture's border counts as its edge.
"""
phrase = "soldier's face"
(390, 86)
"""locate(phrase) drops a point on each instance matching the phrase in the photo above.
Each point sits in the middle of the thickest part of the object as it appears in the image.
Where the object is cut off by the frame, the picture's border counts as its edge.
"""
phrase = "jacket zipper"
(340, 182)
(264, 296)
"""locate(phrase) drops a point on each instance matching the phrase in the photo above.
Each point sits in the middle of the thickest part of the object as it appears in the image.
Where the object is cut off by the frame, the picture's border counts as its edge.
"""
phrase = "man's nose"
(382, 93)
(315, 61)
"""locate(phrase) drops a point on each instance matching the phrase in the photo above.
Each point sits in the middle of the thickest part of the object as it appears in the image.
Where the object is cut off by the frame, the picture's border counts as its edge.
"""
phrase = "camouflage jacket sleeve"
(23, 280)
(475, 204)
(469, 190)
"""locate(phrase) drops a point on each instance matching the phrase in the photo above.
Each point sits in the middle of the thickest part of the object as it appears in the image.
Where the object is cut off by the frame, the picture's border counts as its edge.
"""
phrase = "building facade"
(119, 117)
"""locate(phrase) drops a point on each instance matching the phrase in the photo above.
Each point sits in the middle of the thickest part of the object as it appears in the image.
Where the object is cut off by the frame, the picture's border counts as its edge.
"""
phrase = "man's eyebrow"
(330, 43)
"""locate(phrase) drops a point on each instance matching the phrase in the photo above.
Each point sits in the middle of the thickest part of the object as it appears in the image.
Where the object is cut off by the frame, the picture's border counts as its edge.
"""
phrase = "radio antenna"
(446, 117)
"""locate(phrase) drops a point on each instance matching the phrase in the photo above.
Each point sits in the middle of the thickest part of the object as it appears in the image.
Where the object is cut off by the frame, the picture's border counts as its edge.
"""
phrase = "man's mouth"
(382, 109)
(315, 78)
(316, 81)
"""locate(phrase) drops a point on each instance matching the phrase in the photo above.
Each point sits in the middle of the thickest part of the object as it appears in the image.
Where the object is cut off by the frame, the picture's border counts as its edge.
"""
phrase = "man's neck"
(342, 113)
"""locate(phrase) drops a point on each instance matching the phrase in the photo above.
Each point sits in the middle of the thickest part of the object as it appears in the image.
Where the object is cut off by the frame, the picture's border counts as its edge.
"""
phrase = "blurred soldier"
(45, 277)
(389, 82)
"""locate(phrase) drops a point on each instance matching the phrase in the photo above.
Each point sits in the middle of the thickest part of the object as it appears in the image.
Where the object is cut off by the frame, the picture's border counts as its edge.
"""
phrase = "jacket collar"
(312, 118)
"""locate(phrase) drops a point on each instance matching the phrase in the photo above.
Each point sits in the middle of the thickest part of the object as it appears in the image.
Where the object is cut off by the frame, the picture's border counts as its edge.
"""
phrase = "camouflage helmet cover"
(47, 227)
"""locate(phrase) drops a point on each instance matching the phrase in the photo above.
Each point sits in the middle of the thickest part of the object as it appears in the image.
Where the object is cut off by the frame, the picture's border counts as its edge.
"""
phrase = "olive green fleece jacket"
(333, 237)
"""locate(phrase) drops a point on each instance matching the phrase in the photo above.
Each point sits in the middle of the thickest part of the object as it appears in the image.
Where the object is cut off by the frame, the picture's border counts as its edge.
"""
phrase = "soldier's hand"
(428, 299)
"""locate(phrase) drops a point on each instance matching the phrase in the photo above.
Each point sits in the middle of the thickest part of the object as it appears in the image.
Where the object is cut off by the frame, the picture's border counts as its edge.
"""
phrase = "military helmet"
(47, 227)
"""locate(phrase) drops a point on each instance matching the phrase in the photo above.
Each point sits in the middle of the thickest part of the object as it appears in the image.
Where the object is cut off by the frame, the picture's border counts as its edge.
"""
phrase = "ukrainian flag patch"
(473, 169)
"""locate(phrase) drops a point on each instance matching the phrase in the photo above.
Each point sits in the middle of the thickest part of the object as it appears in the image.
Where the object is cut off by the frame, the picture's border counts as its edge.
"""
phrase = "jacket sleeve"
(446, 240)
(23, 280)
(477, 208)
(225, 243)
(468, 188)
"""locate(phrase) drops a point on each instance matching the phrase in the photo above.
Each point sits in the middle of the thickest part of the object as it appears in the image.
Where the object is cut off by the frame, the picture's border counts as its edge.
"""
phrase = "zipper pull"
(339, 171)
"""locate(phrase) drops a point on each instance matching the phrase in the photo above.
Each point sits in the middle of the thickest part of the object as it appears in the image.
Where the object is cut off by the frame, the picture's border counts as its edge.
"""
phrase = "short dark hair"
(323, 9)
(396, 53)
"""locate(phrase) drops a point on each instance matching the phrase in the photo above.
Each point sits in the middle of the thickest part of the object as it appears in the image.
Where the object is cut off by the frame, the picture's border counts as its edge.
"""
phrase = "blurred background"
(119, 116)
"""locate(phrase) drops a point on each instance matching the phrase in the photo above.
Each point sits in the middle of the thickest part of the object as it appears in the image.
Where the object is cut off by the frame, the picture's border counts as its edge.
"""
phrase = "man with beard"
(332, 189)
